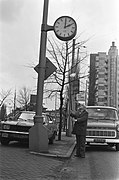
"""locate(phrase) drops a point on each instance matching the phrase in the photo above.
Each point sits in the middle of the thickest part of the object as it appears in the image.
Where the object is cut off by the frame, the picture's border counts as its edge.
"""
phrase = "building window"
(101, 75)
(102, 70)
(101, 87)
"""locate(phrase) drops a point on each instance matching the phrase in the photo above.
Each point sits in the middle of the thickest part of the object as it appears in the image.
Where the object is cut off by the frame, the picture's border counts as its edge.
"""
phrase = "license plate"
(20, 136)
(5, 135)
(97, 140)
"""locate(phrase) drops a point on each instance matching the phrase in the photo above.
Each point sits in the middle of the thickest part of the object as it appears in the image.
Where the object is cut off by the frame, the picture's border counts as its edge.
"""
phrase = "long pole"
(38, 136)
(71, 96)
(86, 92)
(78, 62)
(42, 61)
(56, 106)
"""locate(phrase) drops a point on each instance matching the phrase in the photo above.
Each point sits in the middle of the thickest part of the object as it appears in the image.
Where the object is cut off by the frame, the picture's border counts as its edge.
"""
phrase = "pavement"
(60, 149)
(17, 162)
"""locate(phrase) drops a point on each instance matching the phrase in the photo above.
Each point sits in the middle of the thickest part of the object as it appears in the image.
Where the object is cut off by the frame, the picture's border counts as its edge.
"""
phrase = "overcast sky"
(20, 24)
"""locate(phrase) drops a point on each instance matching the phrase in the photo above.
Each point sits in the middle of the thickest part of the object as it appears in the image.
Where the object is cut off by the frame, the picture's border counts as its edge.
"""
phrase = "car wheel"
(117, 147)
(4, 141)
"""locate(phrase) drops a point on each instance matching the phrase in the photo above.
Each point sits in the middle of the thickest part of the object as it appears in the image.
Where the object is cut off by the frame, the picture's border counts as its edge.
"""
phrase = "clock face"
(65, 28)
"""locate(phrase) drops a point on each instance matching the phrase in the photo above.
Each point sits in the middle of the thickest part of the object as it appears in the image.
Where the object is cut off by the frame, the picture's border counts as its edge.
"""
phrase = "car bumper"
(16, 135)
(99, 140)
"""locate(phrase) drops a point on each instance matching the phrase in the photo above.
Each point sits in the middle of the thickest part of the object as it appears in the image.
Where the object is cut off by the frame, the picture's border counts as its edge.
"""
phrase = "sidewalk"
(60, 149)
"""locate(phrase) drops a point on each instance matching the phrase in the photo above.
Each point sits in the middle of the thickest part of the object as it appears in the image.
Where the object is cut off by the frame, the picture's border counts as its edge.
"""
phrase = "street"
(16, 163)
(101, 163)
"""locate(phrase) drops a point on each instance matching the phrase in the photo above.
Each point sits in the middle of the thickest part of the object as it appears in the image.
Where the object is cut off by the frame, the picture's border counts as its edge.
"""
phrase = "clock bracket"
(46, 28)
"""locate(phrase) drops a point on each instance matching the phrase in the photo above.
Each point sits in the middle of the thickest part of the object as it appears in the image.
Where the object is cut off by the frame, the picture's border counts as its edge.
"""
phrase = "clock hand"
(69, 25)
(65, 23)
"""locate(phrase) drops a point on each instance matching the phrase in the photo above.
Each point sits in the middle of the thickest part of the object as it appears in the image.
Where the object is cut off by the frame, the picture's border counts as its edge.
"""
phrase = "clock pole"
(38, 136)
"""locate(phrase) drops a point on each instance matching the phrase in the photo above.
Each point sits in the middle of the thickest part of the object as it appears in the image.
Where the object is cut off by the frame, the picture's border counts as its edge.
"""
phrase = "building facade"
(104, 78)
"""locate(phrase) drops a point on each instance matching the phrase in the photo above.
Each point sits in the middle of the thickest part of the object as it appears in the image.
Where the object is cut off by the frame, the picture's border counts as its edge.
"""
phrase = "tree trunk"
(60, 124)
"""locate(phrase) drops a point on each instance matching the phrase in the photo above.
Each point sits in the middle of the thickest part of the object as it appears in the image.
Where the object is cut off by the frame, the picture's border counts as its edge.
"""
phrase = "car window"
(102, 113)
(47, 119)
(27, 116)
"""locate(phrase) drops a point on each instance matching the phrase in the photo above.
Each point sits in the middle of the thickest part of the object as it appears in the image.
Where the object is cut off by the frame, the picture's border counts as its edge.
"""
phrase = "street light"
(72, 75)
(69, 127)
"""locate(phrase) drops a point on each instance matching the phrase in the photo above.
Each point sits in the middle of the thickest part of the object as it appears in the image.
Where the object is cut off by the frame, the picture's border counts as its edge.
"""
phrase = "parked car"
(103, 126)
(17, 128)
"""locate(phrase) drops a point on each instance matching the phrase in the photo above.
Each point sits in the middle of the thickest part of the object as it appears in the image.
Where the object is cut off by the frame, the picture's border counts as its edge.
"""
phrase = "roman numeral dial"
(65, 28)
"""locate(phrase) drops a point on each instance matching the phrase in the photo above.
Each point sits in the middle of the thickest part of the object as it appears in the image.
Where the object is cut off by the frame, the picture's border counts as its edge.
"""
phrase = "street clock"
(65, 28)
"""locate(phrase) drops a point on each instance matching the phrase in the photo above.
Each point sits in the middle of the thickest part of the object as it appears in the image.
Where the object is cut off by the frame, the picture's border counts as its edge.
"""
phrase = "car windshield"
(102, 113)
(27, 116)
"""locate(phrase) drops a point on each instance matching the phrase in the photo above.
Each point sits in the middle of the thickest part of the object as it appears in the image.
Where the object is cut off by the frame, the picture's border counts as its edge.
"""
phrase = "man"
(79, 129)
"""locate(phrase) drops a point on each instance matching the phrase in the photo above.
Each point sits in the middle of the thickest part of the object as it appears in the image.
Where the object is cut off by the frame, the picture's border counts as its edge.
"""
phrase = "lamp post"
(72, 76)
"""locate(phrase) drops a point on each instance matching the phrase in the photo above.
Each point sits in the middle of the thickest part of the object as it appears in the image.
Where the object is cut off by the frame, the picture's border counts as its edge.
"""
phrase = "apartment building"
(104, 78)
(113, 76)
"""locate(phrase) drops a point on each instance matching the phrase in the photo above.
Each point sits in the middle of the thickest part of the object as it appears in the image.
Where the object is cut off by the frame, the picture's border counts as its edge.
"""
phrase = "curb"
(68, 154)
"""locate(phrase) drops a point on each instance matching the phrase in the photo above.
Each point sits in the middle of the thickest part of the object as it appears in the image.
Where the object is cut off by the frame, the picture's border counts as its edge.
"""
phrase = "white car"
(103, 126)
(17, 129)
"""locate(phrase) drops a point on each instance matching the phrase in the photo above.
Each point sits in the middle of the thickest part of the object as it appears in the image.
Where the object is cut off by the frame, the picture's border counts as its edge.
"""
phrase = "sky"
(20, 25)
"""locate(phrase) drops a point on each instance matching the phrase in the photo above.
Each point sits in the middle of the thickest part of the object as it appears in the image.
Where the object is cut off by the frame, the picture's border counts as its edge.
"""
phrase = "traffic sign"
(50, 68)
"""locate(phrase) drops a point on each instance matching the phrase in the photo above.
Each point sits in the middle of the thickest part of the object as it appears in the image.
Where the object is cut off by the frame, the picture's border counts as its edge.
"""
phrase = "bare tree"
(23, 97)
(61, 54)
(3, 112)
(4, 96)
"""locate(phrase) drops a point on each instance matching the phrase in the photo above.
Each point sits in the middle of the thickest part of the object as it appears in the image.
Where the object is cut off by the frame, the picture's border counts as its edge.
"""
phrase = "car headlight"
(118, 127)
(6, 126)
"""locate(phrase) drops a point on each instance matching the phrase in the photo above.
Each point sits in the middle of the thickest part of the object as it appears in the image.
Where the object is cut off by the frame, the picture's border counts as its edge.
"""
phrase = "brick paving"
(17, 163)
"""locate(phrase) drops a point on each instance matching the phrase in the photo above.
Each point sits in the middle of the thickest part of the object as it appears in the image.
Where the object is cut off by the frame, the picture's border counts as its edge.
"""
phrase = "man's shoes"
(81, 156)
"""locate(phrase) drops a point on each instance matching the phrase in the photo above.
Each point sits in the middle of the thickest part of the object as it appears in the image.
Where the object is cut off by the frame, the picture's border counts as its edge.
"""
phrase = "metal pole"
(78, 62)
(71, 96)
(69, 102)
(86, 93)
(42, 61)
(56, 106)
(38, 137)
(73, 57)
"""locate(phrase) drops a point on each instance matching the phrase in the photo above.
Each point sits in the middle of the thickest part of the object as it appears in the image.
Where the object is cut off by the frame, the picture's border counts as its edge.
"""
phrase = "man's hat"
(82, 106)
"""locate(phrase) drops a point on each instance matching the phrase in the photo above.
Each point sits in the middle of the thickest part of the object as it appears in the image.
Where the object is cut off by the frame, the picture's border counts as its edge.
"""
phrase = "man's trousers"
(80, 145)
